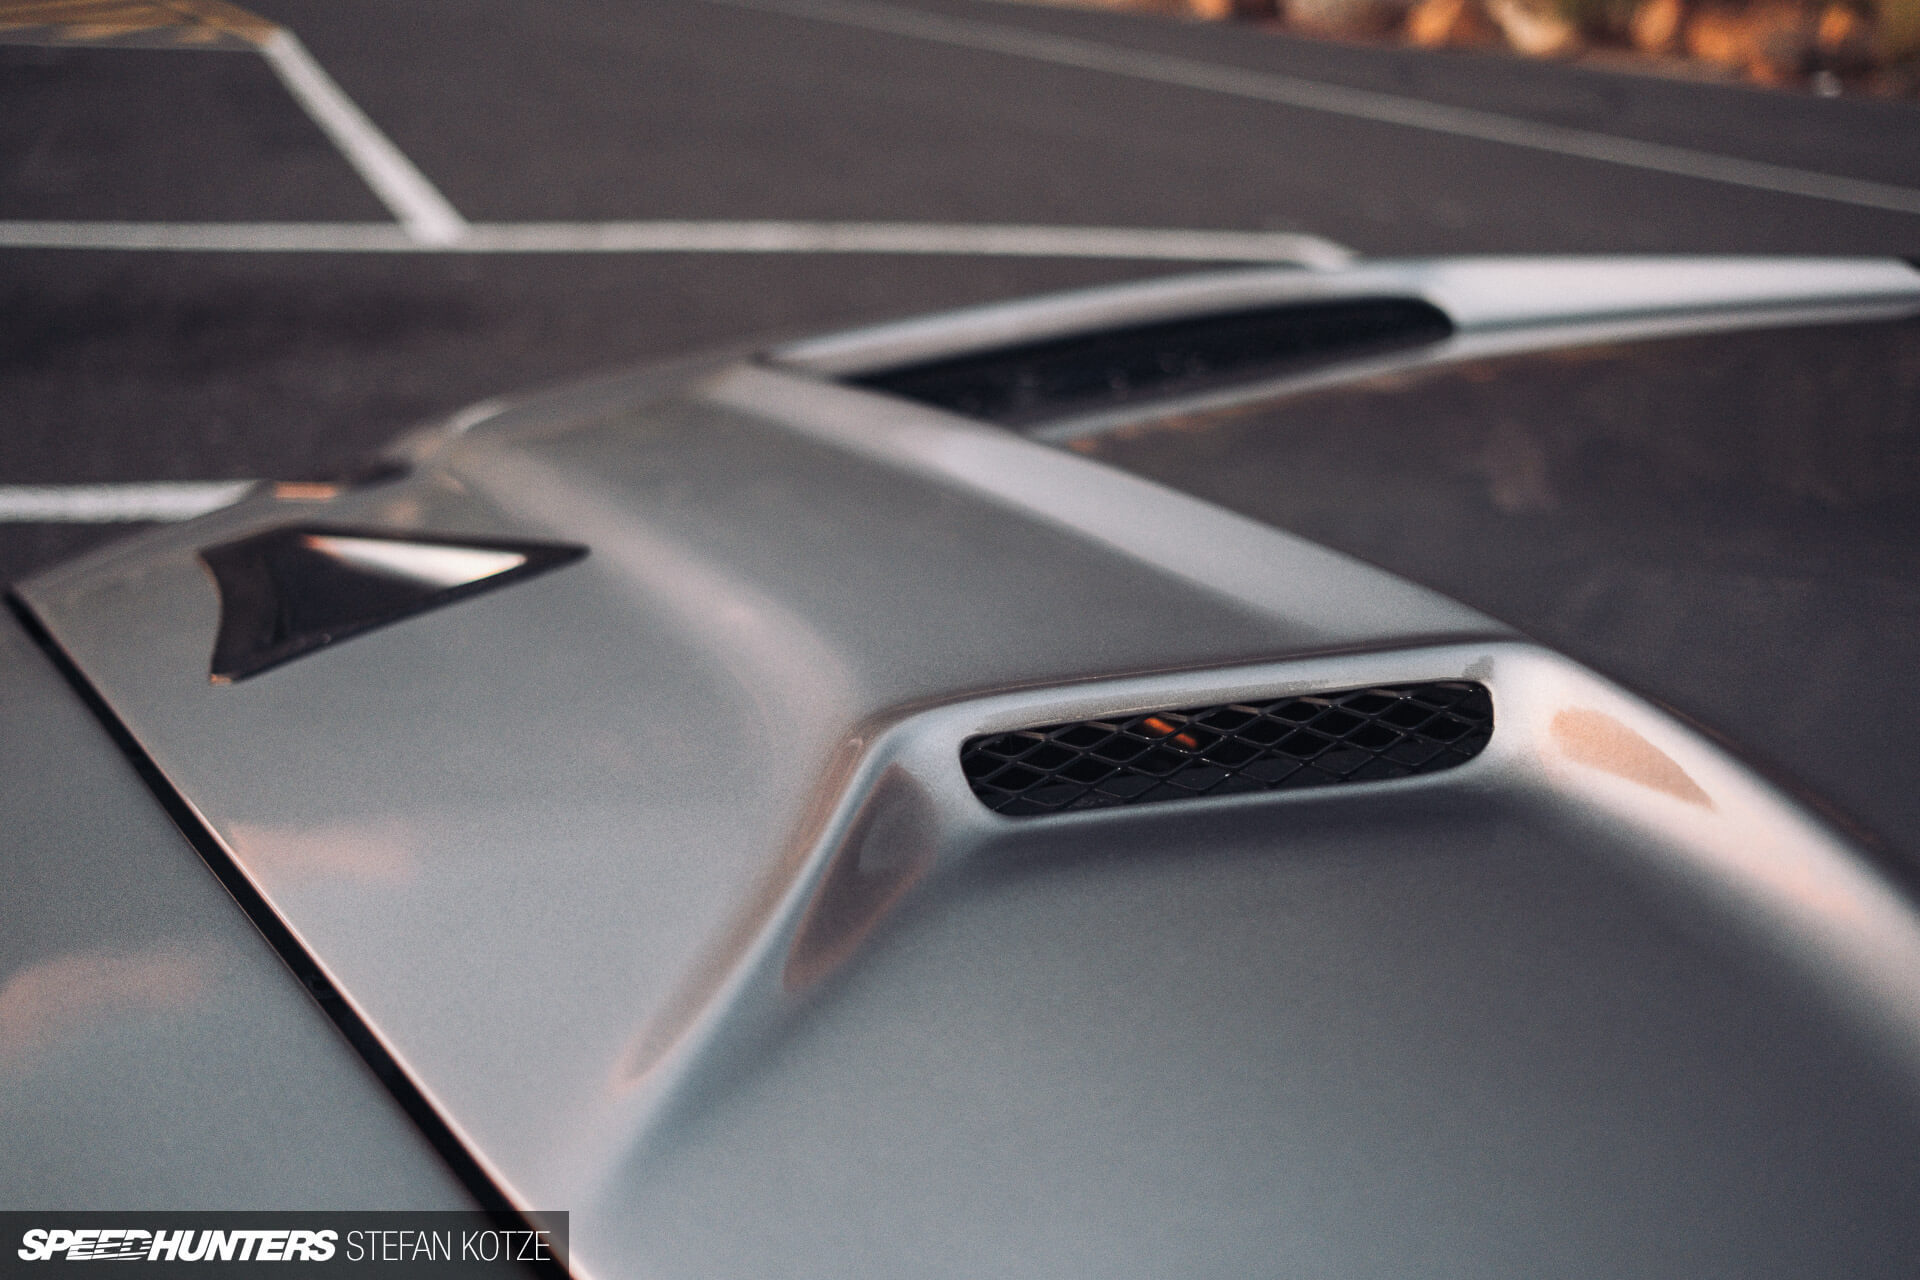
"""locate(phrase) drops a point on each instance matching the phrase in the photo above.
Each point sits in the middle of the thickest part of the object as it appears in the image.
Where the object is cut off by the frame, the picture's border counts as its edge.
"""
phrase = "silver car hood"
(577, 852)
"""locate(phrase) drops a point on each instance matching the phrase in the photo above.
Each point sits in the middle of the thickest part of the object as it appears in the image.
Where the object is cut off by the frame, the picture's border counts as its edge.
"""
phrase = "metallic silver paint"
(660, 877)
(154, 1052)
(1478, 294)
(1498, 306)
(1527, 1016)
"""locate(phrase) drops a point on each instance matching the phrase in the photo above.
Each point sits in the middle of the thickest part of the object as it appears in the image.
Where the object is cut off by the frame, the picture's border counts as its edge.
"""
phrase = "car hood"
(658, 876)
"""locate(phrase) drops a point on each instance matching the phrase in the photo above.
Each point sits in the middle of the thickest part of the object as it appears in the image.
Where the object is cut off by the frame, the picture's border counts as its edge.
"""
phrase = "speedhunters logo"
(132, 1244)
(475, 1244)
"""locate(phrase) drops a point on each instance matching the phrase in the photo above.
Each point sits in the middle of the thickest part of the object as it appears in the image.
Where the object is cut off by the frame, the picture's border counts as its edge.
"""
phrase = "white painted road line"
(216, 237)
(1360, 104)
(422, 210)
(115, 503)
(1149, 244)
(904, 237)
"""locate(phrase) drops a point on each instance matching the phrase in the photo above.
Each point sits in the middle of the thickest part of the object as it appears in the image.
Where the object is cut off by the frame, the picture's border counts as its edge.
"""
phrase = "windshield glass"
(1728, 522)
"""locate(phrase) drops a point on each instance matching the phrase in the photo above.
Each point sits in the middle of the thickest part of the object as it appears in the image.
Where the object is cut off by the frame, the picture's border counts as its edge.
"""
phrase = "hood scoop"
(1050, 379)
(297, 588)
(1319, 740)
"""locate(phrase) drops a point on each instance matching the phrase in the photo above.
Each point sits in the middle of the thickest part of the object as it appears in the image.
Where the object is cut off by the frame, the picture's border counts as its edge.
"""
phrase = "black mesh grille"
(1358, 735)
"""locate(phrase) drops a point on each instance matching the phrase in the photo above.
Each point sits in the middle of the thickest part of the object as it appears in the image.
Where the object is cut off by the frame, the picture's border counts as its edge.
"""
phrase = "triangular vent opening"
(291, 590)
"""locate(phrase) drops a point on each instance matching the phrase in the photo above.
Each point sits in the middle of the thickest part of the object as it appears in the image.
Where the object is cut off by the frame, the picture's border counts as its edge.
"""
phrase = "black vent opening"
(1066, 377)
(1319, 740)
(297, 588)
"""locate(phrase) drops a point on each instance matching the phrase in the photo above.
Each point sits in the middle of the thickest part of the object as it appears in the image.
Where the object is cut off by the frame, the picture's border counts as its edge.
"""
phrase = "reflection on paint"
(888, 849)
(382, 852)
(48, 1004)
(1597, 740)
(429, 565)
(1517, 468)
(671, 1027)
(305, 490)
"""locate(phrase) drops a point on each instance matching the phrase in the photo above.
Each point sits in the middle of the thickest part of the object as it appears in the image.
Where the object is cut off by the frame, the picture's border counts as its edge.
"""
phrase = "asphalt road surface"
(141, 365)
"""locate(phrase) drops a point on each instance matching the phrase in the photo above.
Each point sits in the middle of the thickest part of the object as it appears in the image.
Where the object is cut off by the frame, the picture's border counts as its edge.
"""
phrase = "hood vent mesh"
(1358, 735)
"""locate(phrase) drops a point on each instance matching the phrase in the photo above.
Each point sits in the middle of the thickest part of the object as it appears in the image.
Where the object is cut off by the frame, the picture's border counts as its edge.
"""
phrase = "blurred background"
(1829, 46)
(256, 243)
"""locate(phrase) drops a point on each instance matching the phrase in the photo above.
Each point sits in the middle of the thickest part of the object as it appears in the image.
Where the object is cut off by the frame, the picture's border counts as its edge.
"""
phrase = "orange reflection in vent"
(1165, 730)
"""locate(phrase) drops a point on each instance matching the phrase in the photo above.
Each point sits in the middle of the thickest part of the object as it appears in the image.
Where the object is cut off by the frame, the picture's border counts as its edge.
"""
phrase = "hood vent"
(297, 588)
(1059, 378)
(1319, 740)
